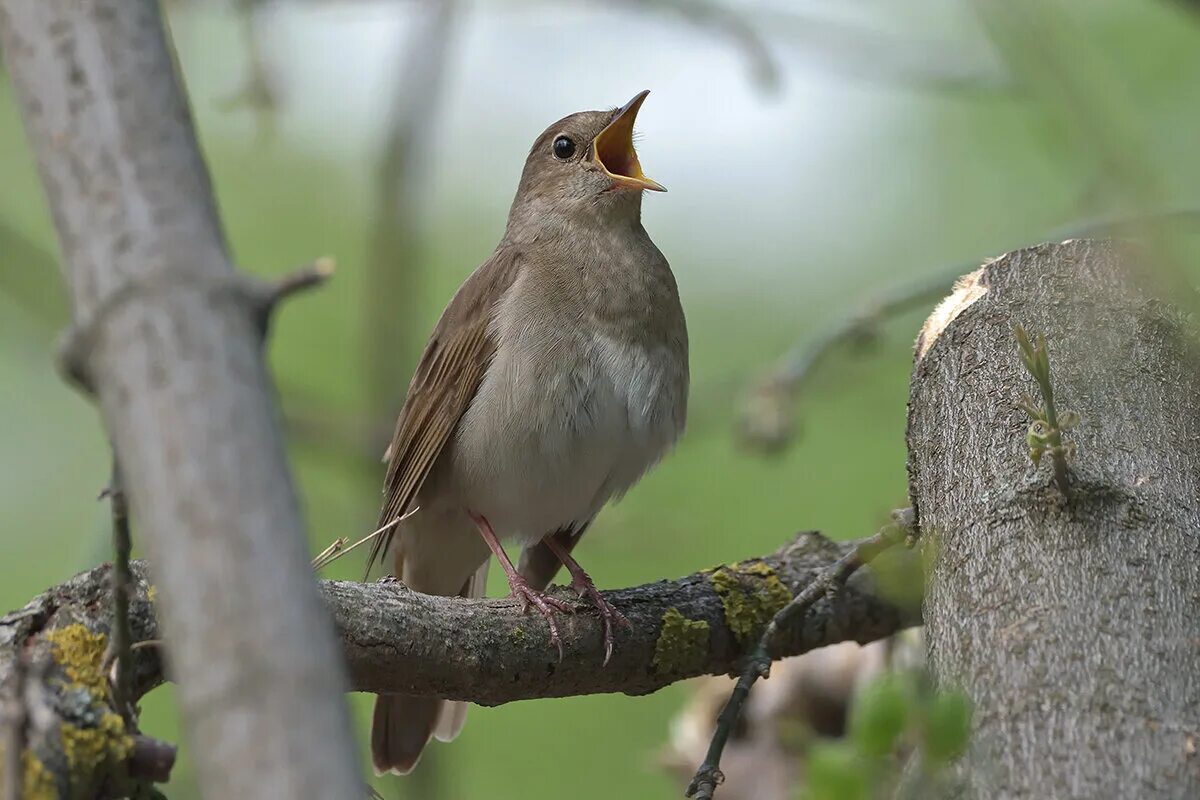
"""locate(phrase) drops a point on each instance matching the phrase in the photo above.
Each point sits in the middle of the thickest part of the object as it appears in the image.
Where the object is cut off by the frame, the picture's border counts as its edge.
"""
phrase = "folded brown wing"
(448, 376)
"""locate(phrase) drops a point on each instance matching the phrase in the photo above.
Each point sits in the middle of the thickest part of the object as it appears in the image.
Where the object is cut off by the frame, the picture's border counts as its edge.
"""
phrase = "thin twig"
(306, 277)
(334, 546)
(267, 295)
(766, 418)
(758, 663)
(716, 16)
(336, 549)
(391, 309)
(860, 52)
(122, 585)
(259, 91)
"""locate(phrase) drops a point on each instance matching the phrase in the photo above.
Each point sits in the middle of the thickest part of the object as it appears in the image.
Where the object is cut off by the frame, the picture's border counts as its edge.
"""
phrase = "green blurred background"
(817, 154)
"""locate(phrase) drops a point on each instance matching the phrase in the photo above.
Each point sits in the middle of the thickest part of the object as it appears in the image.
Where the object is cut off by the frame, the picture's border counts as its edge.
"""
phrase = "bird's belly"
(546, 445)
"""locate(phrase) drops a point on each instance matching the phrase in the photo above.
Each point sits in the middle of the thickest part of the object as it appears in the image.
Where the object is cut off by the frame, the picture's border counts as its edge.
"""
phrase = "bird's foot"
(582, 583)
(545, 604)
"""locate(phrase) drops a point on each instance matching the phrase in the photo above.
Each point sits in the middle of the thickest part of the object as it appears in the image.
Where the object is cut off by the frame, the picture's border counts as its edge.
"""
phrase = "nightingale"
(555, 378)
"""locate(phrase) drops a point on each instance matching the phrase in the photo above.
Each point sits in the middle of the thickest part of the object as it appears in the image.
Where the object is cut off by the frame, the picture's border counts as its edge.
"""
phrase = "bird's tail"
(403, 724)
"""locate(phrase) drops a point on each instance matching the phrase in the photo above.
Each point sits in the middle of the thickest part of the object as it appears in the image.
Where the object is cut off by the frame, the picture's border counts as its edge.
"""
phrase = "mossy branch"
(766, 649)
(484, 651)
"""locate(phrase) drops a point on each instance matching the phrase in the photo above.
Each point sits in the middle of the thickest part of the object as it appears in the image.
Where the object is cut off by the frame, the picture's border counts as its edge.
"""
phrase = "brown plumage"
(555, 378)
(446, 379)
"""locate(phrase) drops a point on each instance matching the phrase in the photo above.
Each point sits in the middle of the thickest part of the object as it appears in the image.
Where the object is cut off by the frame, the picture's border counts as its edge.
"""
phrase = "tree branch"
(766, 415)
(168, 337)
(488, 652)
(121, 653)
(1069, 622)
(391, 318)
(757, 663)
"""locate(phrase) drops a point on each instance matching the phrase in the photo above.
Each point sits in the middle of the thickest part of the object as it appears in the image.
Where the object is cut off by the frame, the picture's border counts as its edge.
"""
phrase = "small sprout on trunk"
(1045, 435)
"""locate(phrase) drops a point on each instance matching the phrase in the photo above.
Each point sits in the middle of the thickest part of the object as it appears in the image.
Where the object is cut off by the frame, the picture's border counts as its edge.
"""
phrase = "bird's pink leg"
(545, 604)
(582, 583)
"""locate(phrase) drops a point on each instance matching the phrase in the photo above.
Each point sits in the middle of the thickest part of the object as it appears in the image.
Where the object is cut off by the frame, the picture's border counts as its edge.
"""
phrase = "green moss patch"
(682, 643)
(752, 594)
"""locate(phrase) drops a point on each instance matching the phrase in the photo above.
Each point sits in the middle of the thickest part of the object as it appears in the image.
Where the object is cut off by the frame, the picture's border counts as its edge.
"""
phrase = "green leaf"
(947, 727)
(836, 771)
(1022, 339)
(879, 715)
(1030, 407)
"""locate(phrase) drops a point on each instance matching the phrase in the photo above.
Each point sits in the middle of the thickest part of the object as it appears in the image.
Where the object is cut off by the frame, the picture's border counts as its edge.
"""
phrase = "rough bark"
(168, 337)
(487, 651)
(54, 658)
(1072, 622)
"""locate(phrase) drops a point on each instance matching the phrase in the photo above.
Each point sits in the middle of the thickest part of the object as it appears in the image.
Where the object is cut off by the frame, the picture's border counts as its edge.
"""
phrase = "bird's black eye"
(564, 148)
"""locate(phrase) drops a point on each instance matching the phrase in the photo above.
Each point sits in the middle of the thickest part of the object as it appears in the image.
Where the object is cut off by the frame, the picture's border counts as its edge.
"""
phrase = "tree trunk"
(169, 338)
(1073, 622)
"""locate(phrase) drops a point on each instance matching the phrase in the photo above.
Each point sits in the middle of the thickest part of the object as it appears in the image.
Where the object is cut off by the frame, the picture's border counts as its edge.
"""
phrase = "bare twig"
(167, 341)
(766, 416)
(859, 52)
(758, 663)
(766, 419)
(333, 547)
(716, 16)
(269, 294)
(391, 303)
(122, 582)
(1083, 91)
(337, 548)
(259, 91)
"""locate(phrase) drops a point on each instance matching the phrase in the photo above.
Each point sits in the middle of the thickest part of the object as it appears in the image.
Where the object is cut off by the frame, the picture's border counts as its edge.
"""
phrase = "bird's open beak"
(612, 150)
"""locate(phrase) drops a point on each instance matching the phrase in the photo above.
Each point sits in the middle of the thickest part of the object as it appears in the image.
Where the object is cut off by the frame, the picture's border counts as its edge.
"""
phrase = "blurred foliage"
(1084, 110)
(896, 715)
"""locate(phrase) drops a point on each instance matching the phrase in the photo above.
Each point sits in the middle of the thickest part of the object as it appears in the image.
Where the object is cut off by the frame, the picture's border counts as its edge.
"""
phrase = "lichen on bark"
(92, 739)
(751, 594)
(682, 643)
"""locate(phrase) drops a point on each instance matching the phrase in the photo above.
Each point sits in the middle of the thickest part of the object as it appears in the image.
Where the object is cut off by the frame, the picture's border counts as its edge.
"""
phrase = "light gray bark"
(1072, 623)
(168, 337)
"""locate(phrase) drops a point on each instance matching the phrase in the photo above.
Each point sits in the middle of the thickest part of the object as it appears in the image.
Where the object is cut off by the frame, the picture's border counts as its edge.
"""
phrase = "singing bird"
(555, 378)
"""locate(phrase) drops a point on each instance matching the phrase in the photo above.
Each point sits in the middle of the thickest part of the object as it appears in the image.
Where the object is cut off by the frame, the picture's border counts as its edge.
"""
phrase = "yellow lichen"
(81, 655)
(682, 643)
(102, 748)
(38, 782)
(751, 593)
(151, 592)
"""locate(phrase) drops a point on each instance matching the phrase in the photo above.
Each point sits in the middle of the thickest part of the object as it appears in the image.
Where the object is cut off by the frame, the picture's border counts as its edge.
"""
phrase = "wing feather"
(447, 378)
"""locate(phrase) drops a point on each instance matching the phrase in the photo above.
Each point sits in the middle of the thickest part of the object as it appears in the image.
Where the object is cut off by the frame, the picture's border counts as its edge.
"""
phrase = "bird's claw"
(609, 613)
(546, 606)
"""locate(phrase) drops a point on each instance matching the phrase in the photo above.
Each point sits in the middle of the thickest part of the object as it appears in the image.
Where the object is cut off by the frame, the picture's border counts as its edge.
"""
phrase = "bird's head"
(584, 165)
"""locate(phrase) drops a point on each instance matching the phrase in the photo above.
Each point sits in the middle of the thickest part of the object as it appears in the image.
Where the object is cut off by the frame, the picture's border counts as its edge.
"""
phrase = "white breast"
(563, 422)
